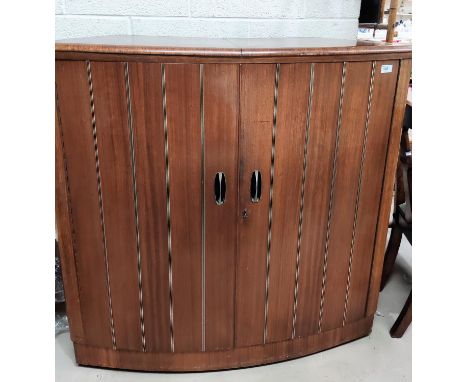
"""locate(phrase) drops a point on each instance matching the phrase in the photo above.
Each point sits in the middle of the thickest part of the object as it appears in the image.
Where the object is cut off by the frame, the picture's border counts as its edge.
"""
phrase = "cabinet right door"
(312, 150)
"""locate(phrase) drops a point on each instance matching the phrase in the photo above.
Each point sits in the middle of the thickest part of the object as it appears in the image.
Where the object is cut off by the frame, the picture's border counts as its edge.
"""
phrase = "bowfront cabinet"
(223, 203)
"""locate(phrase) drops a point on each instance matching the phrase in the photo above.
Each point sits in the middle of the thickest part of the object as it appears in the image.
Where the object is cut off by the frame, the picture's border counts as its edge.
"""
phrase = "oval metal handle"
(220, 188)
(256, 186)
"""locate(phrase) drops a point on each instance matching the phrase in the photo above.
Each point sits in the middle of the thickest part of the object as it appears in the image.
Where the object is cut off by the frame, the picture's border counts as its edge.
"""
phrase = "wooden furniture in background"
(402, 217)
(223, 203)
(404, 319)
(392, 15)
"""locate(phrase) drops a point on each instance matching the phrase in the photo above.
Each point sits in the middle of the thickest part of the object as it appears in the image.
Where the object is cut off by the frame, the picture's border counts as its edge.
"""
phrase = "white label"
(386, 69)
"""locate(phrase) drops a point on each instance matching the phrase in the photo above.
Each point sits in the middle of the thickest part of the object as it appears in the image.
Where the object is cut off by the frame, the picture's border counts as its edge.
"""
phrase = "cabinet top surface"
(238, 47)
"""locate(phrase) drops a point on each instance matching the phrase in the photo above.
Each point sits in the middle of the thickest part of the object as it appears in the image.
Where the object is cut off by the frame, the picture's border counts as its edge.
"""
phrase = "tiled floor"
(375, 358)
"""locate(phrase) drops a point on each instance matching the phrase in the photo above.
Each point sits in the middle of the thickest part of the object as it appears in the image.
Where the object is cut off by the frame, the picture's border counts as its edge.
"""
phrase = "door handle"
(220, 188)
(256, 186)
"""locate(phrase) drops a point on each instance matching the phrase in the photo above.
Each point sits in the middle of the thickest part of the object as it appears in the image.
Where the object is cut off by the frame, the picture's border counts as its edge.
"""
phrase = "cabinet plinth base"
(218, 360)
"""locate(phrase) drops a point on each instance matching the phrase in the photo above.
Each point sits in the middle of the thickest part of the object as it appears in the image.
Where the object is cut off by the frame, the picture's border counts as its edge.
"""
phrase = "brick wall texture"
(208, 18)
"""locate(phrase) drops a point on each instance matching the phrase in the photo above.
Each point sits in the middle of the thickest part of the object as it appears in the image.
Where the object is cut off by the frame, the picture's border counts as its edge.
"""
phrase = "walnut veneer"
(223, 203)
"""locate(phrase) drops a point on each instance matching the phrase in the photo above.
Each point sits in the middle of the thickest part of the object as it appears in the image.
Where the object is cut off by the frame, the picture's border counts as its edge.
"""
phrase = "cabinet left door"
(150, 161)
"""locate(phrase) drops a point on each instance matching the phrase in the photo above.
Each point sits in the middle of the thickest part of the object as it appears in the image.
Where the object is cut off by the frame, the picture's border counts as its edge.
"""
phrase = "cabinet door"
(220, 107)
(257, 88)
(201, 114)
(317, 134)
(155, 248)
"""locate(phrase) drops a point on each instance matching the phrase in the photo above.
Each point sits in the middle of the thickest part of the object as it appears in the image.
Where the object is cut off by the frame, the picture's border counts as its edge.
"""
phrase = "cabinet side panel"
(113, 141)
(293, 102)
(65, 237)
(75, 115)
(372, 175)
(257, 87)
(184, 137)
(146, 96)
(323, 124)
(221, 101)
(404, 74)
(344, 191)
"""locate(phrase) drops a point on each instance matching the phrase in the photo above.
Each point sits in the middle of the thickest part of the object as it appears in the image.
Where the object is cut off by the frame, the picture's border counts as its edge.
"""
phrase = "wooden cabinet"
(223, 203)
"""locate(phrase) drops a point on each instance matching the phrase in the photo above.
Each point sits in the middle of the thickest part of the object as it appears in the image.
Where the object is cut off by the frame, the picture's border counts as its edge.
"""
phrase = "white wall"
(208, 18)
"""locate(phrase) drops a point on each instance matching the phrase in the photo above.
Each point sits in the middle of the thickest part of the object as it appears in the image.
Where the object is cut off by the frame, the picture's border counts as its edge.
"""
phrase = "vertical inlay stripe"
(168, 205)
(202, 127)
(101, 202)
(270, 205)
(135, 202)
(301, 209)
(330, 203)
(358, 194)
(238, 202)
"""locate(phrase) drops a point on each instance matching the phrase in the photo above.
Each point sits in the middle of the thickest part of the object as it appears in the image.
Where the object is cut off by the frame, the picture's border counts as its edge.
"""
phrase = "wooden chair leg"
(390, 255)
(403, 320)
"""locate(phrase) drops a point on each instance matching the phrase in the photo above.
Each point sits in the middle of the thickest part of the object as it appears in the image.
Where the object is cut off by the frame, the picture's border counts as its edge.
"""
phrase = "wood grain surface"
(372, 177)
(221, 110)
(323, 125)
(293, 100)
(65, 235)
(343, 193)
(233, 47)
(183, 123)
(256, 108)
(386, 195)
(113, 143)
(219, 360)
(157, 275)
(74, 102)
(146, 97)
